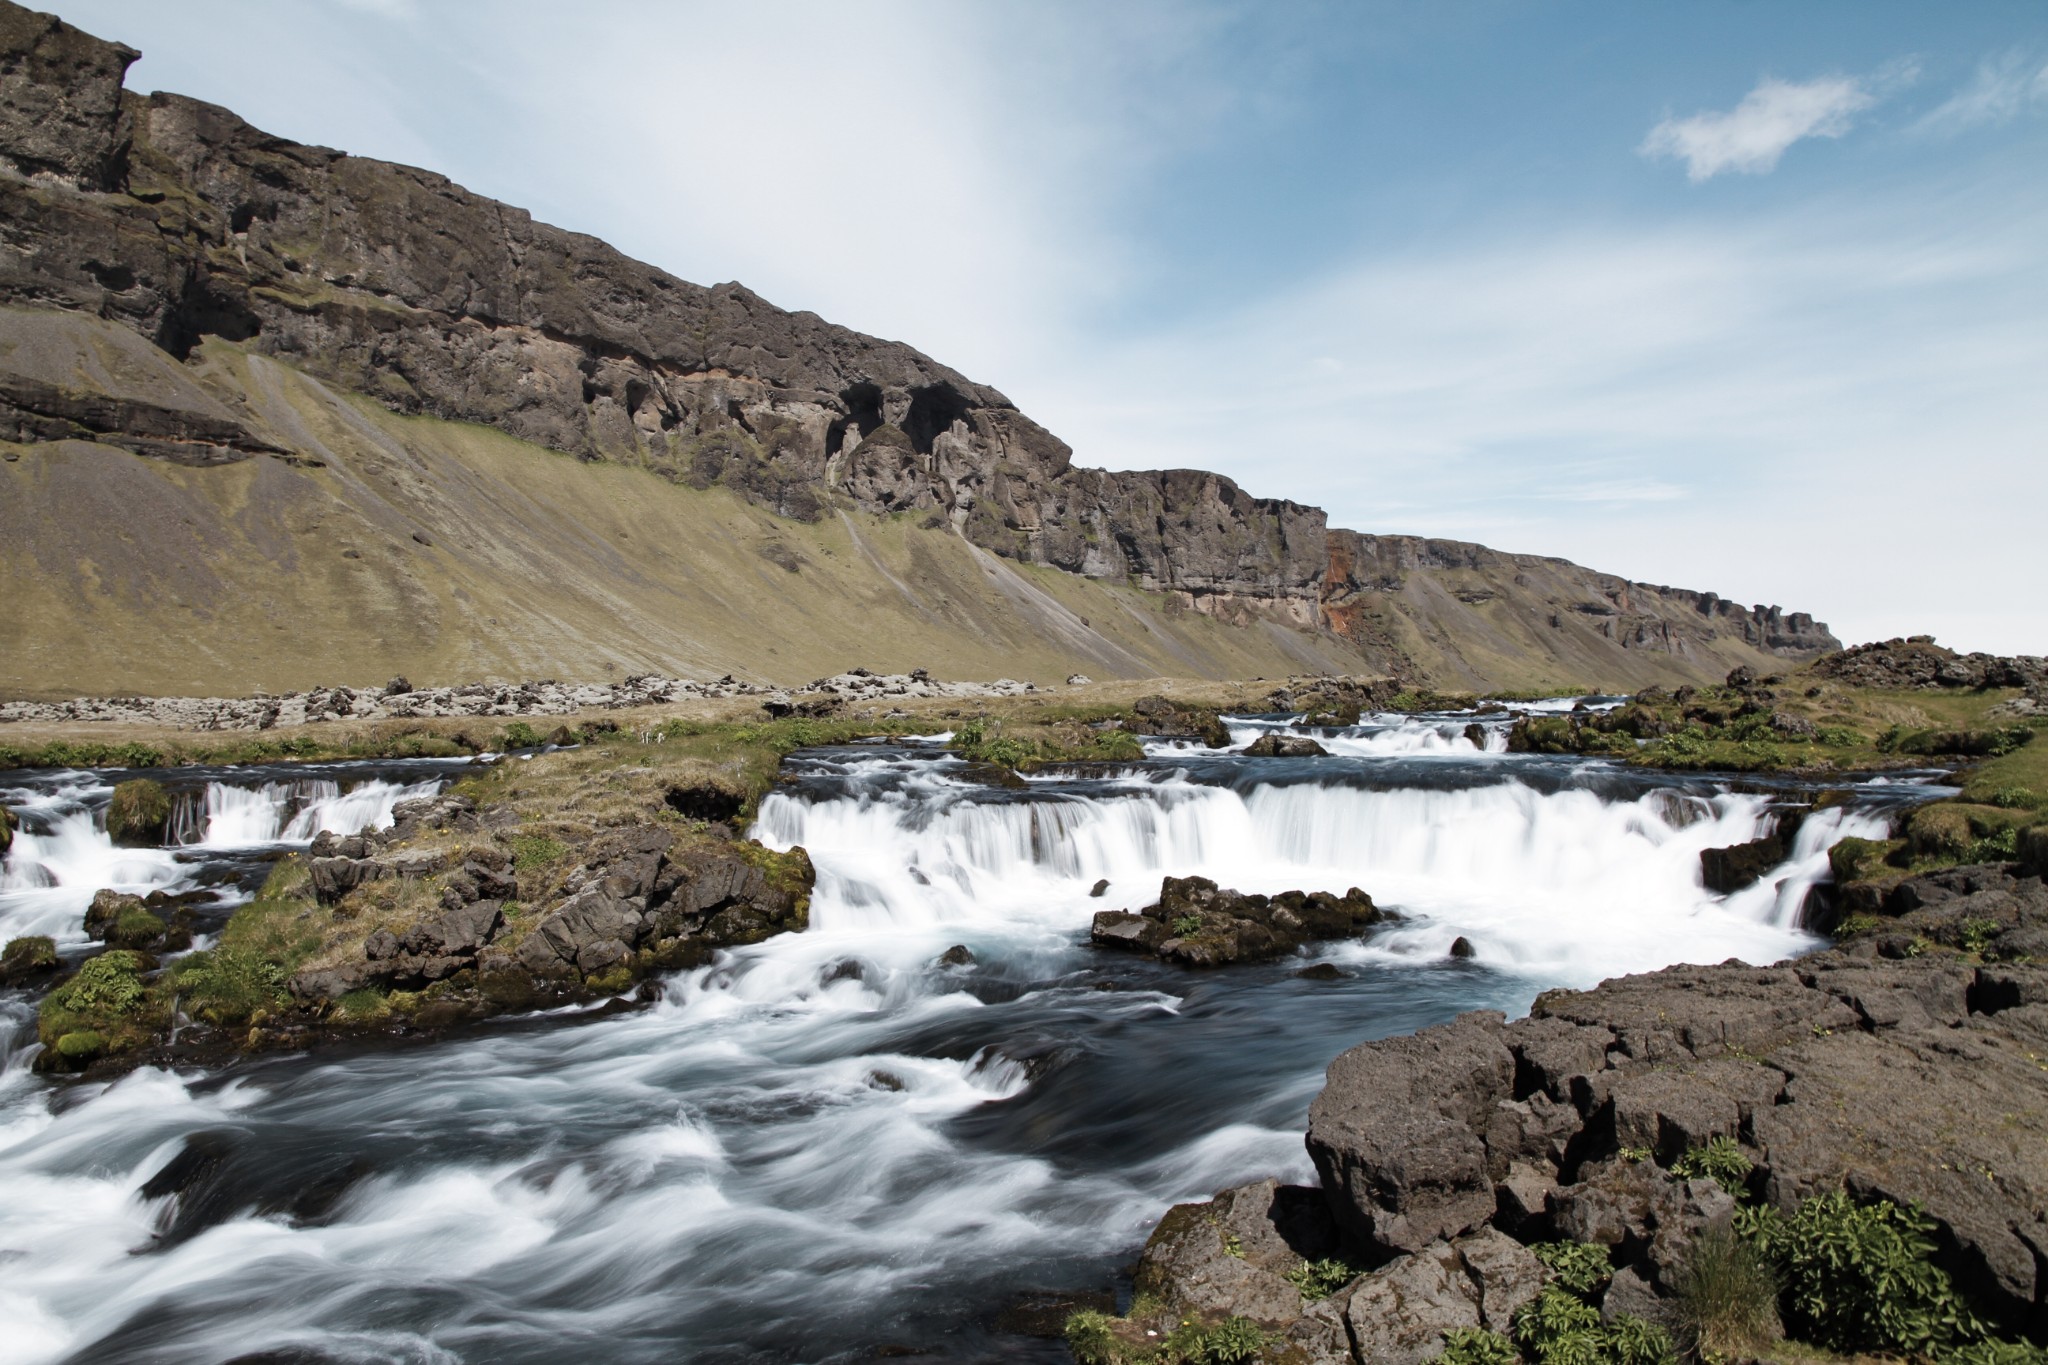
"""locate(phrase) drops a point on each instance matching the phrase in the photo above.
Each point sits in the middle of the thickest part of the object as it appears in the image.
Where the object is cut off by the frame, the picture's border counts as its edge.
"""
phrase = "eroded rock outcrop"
(1196, 923)
(1442, 1155)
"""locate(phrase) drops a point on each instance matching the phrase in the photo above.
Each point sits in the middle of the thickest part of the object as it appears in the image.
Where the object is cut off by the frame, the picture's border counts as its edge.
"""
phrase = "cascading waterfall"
(831, 1141)
(62, 854)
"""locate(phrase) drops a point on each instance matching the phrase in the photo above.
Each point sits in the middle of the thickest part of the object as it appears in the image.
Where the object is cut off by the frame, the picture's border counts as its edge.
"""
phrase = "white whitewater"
(61, 854)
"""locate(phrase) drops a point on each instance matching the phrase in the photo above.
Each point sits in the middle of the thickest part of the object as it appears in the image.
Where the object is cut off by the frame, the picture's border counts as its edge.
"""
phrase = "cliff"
(182, 225)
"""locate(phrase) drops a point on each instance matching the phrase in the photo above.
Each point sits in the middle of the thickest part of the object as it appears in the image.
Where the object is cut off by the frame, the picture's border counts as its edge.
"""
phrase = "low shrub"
(1861, 1277)
(1562, 1325)
(106, 996)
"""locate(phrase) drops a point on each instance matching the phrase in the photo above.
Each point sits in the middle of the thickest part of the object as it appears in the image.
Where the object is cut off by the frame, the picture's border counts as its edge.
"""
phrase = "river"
(828, 1143)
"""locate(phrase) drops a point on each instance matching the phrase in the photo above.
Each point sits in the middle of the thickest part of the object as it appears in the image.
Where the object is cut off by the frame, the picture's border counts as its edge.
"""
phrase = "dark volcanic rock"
(1196, 923)
(1284, 746)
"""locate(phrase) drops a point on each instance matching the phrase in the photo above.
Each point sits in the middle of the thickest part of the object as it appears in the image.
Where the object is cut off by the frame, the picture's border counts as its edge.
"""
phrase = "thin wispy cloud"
(1750, 138)
(2003, 88)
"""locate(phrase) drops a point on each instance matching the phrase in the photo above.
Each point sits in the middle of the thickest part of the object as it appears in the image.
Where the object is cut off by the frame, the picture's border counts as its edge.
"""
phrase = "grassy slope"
(263, 575)
(452, 553)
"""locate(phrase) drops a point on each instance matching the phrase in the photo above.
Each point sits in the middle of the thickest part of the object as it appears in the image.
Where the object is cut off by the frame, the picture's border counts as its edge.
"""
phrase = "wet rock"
(959, 955)
(1122, 929)
(1321, 971)
(1461, 947)
(1196, 923)
(1099, 889)
(1275, 745)
(28, 959)
(6, 830)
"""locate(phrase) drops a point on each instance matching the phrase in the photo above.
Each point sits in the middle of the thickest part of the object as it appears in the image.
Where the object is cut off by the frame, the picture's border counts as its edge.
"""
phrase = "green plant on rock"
(1857, 924)
(136, 928)
(1727, 1295)
(2013, 798)
(1091, 1336)
(1975, 935)
(530, 851)
(1582, 1269)
(1720, 1160)
(1185, 925)
(1232, 1341)
(106, 997)
(1319, 1279)
(29, 953)
(1861, 1277)
(1477, 1346)
(520, 735)
(1996, 1353)
(138, 811)
(1562, 1325)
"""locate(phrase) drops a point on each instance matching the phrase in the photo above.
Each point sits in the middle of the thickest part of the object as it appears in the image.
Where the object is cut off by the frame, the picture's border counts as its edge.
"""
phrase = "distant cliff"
(178, 220)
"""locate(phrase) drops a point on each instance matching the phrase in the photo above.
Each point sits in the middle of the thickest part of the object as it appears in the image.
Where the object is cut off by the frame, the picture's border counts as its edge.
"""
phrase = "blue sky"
(1743, 297)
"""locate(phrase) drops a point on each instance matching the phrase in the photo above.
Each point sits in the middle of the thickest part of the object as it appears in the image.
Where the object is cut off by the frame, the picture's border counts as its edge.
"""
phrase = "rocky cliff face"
(179, 221)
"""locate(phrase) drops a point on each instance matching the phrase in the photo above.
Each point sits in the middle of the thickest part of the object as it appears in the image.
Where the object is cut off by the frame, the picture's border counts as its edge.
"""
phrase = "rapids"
(828, 1142)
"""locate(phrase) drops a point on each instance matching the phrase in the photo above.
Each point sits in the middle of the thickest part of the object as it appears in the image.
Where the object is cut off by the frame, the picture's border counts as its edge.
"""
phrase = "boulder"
(1277, 745)
(1401, 1313)
(1196, 923)
(1396, 1133)
(1231, 1256)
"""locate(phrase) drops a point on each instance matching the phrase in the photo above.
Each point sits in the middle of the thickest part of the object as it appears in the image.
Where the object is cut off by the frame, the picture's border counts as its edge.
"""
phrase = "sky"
(1736, 296)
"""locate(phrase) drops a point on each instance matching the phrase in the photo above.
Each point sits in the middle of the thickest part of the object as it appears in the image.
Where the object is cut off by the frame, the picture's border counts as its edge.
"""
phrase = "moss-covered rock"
(1939, 831)
(139, 814)
(6, 830)
(107, 997)
(25, 958)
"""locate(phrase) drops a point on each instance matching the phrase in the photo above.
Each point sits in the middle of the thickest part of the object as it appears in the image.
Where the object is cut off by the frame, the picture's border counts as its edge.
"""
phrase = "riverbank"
(1841, 1154)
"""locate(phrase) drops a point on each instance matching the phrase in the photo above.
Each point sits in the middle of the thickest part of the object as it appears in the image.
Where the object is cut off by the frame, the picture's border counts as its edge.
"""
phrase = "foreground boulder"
(1196, 923)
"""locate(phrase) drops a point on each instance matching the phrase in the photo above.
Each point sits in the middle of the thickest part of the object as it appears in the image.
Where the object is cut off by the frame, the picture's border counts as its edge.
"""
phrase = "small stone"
(1461, 947)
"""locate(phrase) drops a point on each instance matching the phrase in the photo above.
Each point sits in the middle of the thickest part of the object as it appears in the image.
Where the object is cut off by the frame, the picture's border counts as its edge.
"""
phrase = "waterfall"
(1567, 884)
(61, 854)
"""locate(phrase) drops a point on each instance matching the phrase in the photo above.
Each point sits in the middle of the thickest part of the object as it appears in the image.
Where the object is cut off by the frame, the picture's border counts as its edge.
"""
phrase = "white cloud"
(2003, 87)
(1752, 136)
(1836, 410)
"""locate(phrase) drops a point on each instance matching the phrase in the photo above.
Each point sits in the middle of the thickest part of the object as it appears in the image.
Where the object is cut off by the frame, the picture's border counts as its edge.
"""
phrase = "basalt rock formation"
(1196, 923)
(176, 225)
(1904, 1065)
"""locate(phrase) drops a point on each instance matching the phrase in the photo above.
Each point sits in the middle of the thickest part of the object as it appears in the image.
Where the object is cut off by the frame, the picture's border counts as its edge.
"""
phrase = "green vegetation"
(1720, 1160)
(242, 978)
(104, 1007)
(136, 928)
(531, 852)
(1861, 1277)
(1033, 744)
(1320, 1279)
(1185, 925)
(1477, 1346)
(1727, 1296)
(1099, 1339)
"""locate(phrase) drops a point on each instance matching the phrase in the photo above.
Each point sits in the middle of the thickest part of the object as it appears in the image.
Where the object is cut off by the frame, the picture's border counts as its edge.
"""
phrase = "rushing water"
(827, 1143)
